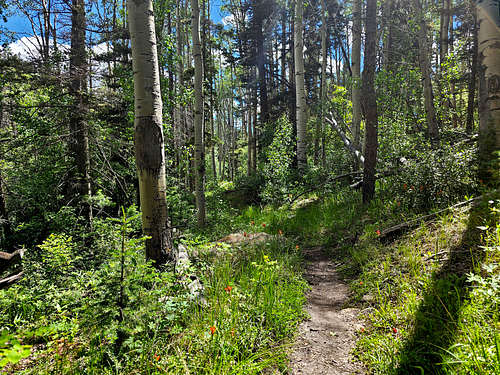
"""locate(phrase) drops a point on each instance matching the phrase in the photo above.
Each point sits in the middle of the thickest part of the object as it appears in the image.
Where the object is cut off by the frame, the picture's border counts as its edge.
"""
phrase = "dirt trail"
(326, 339)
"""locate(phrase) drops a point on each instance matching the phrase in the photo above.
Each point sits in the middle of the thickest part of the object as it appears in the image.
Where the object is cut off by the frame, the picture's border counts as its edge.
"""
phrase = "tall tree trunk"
(199, 146)
(300, 92)
(356, 63)
(423, 56)
(469, 127)
(79, 140)
(488, 17)
(443, 34)
(370, 102)
(323, 83)
(148, 129)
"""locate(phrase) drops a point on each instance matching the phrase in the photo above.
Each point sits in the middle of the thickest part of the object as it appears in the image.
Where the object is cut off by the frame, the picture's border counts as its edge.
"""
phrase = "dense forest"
(249, 187)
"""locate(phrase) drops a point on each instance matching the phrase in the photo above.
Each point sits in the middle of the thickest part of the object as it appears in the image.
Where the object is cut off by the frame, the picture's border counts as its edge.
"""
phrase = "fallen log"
(8, 281)
(347, 142)
(391, 232)
(9, 259)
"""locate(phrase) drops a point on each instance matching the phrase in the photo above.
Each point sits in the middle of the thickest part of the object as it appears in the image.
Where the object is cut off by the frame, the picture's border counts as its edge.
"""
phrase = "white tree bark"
(199, 146)
(488, 16)
(300, 92)
(148, 129)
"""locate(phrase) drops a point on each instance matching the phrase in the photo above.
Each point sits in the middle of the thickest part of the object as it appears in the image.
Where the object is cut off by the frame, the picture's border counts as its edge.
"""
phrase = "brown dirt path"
(326, 340)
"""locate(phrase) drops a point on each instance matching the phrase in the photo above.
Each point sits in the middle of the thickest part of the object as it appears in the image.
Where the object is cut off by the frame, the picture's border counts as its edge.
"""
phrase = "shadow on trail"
(437, 317)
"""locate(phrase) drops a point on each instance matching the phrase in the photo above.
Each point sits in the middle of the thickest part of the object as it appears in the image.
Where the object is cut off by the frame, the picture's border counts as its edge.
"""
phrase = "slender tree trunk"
(370, 102)
(199, 147)
(323, 84)
(432, 122)
(469, 127)
(148, 129)
(443, 35)
(355, 66)
(300, 94)
(488, 17)
(79, 140)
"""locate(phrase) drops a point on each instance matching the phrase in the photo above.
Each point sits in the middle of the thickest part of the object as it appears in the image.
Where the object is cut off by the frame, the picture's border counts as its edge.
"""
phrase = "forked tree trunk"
(79, 139)
(148, 129)
(300, 92)
(488, 16)
(370, 102)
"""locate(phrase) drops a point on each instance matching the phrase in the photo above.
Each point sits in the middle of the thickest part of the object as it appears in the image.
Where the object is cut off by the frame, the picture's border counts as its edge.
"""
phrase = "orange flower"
(360, 283)
(405, 186)
(228, 288)
(362, 329)
(297, 247)
(263, 225)
(212, 329)
(394, 330)
(280, 232)
(233, 332)
(157, 357)
(378, 232)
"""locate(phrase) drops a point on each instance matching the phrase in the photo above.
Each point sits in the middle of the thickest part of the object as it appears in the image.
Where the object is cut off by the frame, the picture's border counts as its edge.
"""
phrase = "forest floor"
(326, 340)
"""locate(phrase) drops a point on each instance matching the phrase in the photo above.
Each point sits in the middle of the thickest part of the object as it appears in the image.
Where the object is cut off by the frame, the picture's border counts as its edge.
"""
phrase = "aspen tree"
(300, 92)
(199, 146)
(488, 17)
(148, 131)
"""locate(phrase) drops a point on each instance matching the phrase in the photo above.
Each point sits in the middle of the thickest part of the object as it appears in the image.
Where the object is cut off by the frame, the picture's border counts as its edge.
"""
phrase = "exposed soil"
(326, 339)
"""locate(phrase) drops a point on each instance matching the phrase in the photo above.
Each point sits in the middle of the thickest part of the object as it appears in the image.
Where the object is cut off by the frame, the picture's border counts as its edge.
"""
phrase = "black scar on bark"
(148, 143)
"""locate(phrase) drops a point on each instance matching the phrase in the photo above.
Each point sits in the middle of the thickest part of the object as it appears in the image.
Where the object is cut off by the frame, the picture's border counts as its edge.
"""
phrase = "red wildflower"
(362, 329)
(394, 330)
(405, 186)
(245, 234)
(360, 283)
(228, 288)
(252, 222)
(157, 357)
(378, 232)
(212, 329)
(263, 225)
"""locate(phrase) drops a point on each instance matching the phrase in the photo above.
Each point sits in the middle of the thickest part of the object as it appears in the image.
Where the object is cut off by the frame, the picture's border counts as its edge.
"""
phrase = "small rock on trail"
(326, 340)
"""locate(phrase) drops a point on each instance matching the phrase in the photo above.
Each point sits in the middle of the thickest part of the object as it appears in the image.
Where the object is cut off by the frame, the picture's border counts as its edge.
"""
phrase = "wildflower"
(157, 357)
(252, 222)
(360, 283)
(421, 187)
(280, 232)
(233, 332)
(228, 288)
(245, 234)
(378, 232)
(266, 258)
(399, 203)
(405, 187)
(297, 247)
(212, 329)
(362, 329)
(394, 330)
(263, 225)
